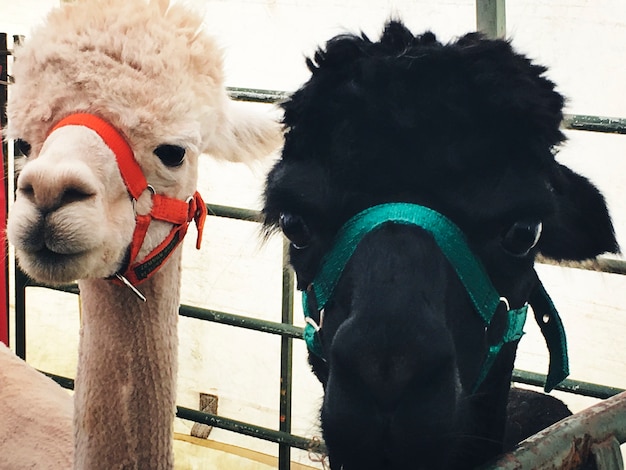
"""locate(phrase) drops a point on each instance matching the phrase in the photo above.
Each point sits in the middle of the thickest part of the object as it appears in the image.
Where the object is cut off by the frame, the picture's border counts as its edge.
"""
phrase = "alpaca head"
(460, 136)
(150, 72)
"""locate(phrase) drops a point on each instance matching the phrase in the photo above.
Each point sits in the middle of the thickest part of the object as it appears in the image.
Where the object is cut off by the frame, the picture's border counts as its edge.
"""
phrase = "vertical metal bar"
(21, 281)
(4, 265)
(4, 60)
(491, 18)
(286, 353)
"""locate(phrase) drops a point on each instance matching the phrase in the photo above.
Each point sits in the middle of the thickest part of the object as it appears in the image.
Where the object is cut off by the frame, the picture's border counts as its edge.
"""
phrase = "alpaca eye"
(295, 230)
(23, 147)
(170, 155)
(522, 237)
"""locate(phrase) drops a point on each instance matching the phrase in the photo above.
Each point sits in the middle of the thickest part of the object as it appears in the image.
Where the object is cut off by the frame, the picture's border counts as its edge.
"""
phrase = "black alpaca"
(465, 132)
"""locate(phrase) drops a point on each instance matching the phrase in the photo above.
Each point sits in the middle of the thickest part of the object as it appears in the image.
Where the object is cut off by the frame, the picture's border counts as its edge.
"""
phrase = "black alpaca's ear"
(581, 227)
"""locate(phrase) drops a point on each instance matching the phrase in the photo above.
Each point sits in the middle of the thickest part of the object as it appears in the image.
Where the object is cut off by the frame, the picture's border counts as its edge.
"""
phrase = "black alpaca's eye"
(522, 237)
(170, 155)
(295, 230)
(23, 147)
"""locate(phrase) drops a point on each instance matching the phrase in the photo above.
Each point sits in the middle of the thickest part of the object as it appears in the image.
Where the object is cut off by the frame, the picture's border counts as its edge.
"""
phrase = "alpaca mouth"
(53, 247)
(50, 268)
(51, 258)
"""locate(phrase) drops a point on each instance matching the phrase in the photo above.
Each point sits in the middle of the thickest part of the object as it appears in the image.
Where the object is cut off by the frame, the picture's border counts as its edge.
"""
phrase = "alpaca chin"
(56, 269)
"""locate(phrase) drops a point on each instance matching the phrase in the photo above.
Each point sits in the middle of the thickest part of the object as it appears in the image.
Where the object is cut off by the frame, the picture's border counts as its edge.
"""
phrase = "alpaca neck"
(126, 378)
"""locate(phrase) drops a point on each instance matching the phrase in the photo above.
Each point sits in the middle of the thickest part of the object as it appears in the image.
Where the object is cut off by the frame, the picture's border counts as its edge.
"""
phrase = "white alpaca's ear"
(245, 134)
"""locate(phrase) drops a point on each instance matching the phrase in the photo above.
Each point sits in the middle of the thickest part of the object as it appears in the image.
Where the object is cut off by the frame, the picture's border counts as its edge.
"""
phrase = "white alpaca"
(111, 96)
(36, 418)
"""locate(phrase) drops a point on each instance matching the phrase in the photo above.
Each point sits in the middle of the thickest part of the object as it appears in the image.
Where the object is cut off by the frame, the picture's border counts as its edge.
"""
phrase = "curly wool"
(151, 71)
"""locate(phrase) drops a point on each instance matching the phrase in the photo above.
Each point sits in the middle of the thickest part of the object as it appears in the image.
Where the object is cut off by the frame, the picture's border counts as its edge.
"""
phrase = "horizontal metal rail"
(579, 122)
(603, 264)
(279, 437)
(250, 323)
(267, 434)
(234, 212)
(576, 387)
(257, 96)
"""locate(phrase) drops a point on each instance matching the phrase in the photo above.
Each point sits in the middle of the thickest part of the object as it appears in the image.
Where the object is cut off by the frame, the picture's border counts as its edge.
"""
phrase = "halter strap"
(468, 267)
(551, 326)
(129, 168)
(138, 271)
(178, 213)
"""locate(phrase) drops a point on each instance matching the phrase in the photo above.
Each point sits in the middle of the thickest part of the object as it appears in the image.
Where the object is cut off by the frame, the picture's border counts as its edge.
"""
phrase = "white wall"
(18, 17)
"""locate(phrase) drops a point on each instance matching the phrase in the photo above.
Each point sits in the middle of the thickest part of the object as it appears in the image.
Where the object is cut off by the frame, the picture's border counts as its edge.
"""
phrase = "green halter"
(470, 270)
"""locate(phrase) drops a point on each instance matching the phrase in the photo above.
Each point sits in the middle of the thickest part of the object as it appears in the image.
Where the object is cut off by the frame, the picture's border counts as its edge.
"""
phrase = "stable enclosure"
(241, 330)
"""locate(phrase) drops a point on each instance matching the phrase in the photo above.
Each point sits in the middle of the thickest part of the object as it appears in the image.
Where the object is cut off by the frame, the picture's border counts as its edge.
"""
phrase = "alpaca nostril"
(74, 195)
(27, 191)
(49, 198)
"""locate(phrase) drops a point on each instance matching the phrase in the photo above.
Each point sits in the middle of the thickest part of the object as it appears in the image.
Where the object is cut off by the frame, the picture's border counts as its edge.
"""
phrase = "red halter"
(177, 212)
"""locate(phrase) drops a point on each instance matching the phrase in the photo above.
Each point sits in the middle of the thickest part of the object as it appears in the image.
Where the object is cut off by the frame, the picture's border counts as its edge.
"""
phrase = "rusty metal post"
(286, 354)
(594, 433)
(491, 18)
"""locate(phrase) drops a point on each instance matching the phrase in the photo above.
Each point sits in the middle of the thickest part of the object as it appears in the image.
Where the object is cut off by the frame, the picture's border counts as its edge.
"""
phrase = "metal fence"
(490, 18)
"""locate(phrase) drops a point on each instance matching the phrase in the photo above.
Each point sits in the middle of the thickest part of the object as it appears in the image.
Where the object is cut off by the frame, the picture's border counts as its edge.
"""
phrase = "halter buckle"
(313, 323)
(134, 290)
(150, 189)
